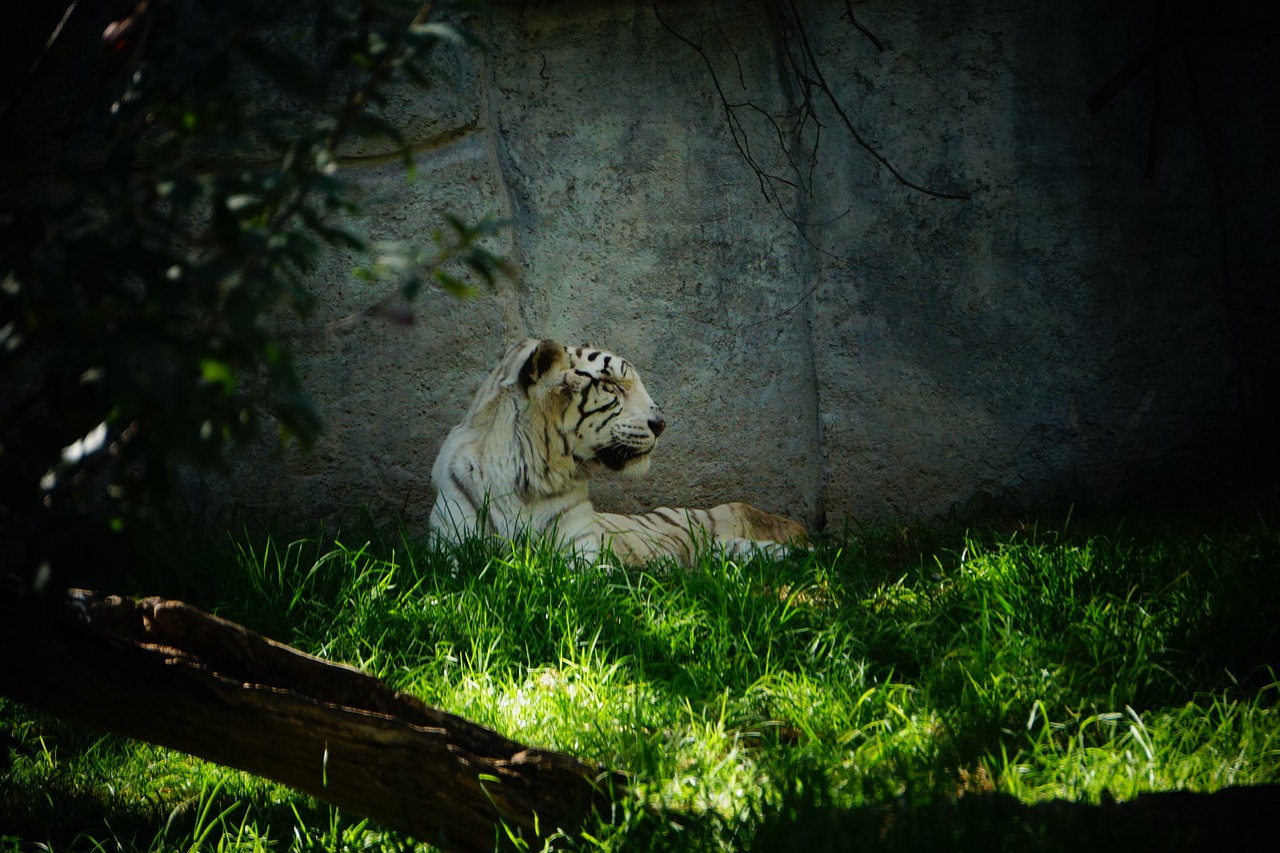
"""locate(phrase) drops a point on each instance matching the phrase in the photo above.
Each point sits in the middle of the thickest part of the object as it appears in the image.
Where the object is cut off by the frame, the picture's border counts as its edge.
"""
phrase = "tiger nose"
(657, 424)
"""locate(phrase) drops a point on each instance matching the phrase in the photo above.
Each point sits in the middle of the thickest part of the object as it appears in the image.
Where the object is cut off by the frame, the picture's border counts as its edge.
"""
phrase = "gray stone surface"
(898, 358)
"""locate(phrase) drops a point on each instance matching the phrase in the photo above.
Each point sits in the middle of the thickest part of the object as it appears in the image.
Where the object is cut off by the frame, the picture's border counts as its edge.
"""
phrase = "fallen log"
(164, 672)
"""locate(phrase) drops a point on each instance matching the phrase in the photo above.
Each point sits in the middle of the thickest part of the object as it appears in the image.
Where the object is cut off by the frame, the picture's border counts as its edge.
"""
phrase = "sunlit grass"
(1042, 663)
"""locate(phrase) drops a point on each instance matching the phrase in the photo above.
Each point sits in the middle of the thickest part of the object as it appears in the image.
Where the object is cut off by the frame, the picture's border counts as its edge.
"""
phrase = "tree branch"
(167, 673)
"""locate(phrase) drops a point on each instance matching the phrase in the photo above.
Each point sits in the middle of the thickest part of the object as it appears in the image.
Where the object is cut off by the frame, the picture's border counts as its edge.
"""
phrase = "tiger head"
(591, 407)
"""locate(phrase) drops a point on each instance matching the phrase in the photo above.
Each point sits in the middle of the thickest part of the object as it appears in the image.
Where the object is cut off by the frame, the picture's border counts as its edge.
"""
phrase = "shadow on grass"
(69, 817)
(1229, 819)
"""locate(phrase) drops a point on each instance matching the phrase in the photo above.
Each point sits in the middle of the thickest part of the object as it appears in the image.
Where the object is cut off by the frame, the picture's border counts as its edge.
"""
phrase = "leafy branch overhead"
(157, 245)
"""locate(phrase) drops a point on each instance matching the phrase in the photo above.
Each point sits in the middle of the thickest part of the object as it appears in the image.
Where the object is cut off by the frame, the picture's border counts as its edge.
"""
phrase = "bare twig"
(1118, 83)
(737, 132)
(805, 71)
(819, 79)
(848, 6)
(16, 91)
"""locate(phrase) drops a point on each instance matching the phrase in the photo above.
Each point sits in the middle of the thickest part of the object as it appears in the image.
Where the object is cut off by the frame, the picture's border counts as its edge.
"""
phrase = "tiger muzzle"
(616, 456)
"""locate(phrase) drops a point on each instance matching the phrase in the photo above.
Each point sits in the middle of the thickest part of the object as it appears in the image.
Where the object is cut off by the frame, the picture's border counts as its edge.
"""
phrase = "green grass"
(889, 666)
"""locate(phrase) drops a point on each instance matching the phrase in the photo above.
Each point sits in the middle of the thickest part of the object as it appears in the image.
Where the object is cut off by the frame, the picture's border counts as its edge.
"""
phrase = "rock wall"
(827, 341)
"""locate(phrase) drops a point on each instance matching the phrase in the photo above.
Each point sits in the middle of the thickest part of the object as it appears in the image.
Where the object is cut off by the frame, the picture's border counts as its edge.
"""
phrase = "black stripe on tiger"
(613, 403)
(643, 520)
(584, 412)
(461, 486)
(553, 523)
(671, 519)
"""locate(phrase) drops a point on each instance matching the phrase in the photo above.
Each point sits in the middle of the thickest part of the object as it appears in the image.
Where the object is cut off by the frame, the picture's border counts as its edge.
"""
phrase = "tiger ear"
(546, 356)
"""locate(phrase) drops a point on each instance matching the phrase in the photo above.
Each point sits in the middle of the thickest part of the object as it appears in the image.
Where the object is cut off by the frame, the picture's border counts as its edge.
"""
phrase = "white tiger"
(546, 418)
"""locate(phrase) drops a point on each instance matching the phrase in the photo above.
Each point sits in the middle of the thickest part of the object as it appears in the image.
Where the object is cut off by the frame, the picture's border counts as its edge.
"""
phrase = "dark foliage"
(159, 230)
